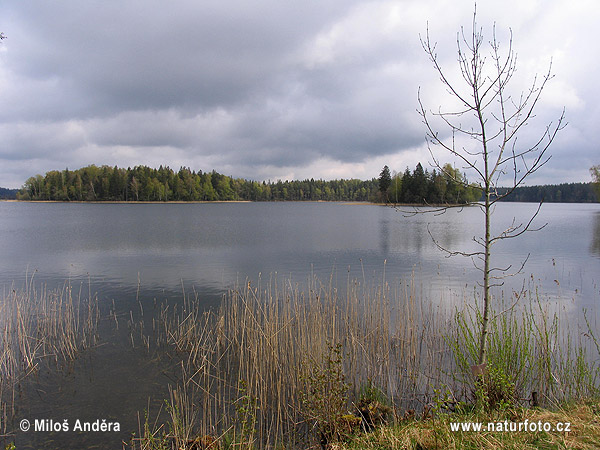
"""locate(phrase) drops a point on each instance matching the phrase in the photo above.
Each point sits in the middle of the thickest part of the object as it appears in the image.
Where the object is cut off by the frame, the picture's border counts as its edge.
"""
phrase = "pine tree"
(385, 181)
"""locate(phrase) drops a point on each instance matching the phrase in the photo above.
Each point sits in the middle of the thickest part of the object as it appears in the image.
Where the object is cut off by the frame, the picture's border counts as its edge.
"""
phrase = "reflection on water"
(165, 248)
(384, 236)
(210, 246)
(595, 246)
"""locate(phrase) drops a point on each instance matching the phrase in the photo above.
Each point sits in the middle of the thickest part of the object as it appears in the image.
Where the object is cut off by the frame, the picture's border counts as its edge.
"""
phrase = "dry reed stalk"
(38, 325)
(254, 351)
(261, 337)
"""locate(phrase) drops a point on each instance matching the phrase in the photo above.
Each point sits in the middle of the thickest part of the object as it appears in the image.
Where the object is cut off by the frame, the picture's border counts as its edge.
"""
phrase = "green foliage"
(595, 172)
(143, 183)
(370, 392)
(445, 400)
(558, 193)
(8, 194)
(325, 396)
(494, 390)
(529, 350)
(152, 438)
(246, 407)
(374, 407)
(511, 357)
(228, 441)
(385, 181)
(424, 187)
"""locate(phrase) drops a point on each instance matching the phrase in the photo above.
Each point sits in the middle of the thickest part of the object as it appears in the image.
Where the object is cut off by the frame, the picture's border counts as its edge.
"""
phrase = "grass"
(543, 350)
(437, 434)
(284, 365)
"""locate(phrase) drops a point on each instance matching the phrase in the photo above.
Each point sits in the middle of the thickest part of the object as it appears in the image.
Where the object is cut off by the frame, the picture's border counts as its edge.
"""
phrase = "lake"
(211, 245)
(140, 254)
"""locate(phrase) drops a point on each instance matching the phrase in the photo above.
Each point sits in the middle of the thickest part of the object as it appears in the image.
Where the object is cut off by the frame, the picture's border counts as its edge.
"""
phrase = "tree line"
(450, 186)
(8, 194)
(553, 193)
(143, 183)
(420, 186)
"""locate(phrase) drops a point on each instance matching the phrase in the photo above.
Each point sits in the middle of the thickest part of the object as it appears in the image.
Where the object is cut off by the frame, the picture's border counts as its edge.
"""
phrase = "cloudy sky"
(271, 89)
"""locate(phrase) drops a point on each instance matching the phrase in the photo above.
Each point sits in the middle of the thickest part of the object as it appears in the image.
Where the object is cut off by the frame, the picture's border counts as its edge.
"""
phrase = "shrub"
(325, 396)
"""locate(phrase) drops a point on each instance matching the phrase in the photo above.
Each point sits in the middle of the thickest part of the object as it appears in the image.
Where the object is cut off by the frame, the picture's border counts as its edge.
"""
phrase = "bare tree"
(483, 139)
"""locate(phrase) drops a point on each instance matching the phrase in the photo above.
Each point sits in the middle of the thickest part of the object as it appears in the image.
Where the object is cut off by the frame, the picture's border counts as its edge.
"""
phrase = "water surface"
(210, 246)
(144, 254)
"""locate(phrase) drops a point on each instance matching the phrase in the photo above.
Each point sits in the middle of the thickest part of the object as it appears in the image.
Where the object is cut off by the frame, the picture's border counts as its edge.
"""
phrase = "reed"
(38, 325)
(248, 369)
(249, 361)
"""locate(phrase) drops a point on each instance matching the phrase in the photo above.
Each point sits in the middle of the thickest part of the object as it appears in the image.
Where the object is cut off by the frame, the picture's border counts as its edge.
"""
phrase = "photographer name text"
(50, 425)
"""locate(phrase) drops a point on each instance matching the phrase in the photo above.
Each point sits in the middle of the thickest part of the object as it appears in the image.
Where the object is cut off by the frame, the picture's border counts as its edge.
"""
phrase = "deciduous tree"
(482, 138)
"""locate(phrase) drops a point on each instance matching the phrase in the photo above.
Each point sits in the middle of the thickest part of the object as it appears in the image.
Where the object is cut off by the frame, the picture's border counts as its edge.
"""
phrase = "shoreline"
(100, 202)
(182, 202)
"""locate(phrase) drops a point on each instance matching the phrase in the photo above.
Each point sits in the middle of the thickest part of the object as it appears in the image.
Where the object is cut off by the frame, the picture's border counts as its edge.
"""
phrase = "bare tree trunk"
(490, 150)
(486, 282)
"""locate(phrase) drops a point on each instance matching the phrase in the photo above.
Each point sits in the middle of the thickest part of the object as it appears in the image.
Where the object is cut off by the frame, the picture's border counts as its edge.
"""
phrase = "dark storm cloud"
(146, 55)
(262, 89)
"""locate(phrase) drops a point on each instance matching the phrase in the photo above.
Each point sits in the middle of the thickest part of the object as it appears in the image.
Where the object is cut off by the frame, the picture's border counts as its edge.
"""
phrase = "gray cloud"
(146, 55)
(263, 89)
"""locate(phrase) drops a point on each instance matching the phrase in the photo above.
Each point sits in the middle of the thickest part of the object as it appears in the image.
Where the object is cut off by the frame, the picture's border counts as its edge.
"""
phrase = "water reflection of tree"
(595, 247)
(384, 236)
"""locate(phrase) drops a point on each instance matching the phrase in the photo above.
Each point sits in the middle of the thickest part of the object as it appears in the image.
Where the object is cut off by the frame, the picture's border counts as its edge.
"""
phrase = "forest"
(448, 187)
(8, 194)
(142, 183)
(553, 193)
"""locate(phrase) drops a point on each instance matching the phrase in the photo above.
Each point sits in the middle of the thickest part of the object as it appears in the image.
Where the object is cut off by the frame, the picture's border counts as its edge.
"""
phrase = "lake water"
(153, 251)
(210, 246)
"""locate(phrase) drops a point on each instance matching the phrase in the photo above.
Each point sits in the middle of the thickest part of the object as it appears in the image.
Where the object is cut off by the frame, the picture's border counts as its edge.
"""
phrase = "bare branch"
(512, 306)
(517, 230)
(450, 253)
(430, 51)
(493, 152)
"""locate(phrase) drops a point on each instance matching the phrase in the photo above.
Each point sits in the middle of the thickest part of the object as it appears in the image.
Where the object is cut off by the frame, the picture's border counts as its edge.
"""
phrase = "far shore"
(181, 202)
(126, 202)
